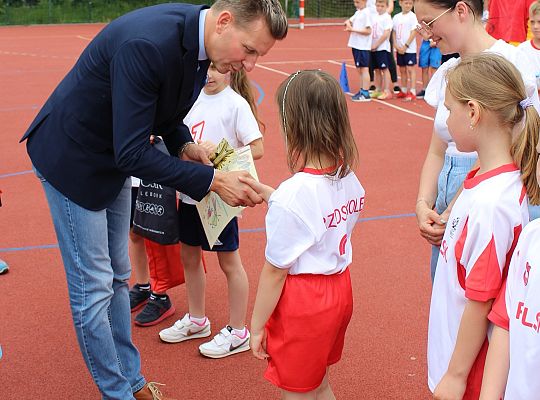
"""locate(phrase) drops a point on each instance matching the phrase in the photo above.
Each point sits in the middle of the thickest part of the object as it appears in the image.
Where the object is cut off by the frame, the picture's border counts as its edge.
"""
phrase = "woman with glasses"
(455, 27)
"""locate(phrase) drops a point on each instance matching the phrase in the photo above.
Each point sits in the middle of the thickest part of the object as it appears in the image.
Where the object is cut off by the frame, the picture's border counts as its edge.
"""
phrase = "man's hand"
(194, 152)
(232, 191)
(208, 146)
(263, 190)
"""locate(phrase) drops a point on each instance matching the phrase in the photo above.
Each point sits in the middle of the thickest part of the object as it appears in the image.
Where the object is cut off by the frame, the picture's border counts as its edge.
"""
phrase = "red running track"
(385, 351)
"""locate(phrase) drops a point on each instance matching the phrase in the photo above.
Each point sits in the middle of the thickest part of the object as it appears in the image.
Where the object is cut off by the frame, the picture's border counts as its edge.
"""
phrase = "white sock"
(404, 89)
(241, 333)
(413, 91)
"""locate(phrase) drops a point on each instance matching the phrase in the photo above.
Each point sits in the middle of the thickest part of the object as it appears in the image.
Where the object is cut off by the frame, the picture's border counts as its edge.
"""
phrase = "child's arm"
(412, 37)
(271, 284)
(384, 36)
(257, 148)
(398, 48)
(471, 336)
(261, 189)
(497, 365)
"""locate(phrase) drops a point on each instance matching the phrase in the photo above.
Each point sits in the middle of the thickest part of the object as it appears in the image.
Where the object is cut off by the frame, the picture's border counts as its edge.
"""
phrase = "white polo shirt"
(517, 309)
(480, 235)
(310, 220)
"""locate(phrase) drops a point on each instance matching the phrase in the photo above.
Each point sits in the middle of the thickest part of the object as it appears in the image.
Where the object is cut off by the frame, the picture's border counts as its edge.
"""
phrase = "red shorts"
(306, 331)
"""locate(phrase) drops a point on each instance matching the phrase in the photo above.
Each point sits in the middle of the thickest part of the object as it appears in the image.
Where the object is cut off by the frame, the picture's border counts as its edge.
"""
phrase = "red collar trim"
(472, 180)
(314, 171)
(534, 47)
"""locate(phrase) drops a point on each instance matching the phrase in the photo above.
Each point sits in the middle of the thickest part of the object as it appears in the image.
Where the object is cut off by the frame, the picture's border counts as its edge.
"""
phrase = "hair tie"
(283, 101)
(526, 102)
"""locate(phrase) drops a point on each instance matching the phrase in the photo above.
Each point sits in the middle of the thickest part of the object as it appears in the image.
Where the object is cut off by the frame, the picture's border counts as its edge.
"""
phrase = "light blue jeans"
(451, 177)
(95, 254)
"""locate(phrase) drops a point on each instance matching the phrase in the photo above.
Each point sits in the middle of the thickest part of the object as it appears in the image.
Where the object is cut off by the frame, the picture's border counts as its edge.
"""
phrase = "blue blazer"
(139, 76)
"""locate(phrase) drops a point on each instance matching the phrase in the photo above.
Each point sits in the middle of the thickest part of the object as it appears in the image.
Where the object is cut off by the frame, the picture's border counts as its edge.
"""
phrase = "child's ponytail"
(241, 85)
(525, 154)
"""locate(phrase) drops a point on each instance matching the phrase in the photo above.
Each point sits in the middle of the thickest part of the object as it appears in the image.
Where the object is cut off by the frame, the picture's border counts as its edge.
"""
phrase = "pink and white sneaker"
(226, 343)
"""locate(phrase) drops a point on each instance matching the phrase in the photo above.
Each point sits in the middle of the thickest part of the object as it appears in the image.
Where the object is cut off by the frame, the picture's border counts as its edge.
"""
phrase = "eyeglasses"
(424, 28)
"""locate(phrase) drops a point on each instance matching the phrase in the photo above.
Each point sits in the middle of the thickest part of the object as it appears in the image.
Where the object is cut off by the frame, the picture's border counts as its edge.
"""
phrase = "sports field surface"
(385, 350)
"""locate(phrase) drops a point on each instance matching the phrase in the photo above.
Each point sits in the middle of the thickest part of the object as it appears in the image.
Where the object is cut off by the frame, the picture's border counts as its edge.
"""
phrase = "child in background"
(532, 47)
(404, 34)
(487, 101)
(430, 60)
(304, 299)
(360, 41)
(380, 50)
(512, 362)
(219, 112)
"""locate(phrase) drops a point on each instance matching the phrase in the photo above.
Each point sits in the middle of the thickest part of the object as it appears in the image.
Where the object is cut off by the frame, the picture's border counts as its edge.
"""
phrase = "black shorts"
(406, 60)
(381, 59)
(361, 58)
(192, 231)
(134, 191)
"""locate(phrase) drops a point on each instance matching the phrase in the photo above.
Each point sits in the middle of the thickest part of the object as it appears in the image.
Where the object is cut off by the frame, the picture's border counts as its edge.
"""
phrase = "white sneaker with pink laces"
(226, 343)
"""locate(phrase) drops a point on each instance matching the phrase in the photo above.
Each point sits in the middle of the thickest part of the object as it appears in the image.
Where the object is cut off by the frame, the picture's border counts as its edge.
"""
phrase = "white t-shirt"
(436, 88)
(481, 232)
(222, 115)
(310, 220)
(381, 22)
(403, 25)
(372, 7)
(534, 55)
(517, 309)
(360, 20)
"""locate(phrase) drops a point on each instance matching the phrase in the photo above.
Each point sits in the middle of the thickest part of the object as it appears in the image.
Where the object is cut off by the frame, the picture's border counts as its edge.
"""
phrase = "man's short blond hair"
(247, 11)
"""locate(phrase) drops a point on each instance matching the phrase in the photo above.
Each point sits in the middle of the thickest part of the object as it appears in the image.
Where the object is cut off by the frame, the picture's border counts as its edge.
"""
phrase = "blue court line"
(260, 90)
(16, 174)
(249, 230)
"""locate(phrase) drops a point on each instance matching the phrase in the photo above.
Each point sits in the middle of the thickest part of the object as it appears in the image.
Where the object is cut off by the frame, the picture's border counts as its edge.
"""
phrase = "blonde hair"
(315, 121)
(239, 82)
(497, 86)
(534, 8)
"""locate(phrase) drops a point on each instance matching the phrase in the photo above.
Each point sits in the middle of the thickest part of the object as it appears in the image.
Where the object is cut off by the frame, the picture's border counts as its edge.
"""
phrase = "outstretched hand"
(263, 190)
(233, 191)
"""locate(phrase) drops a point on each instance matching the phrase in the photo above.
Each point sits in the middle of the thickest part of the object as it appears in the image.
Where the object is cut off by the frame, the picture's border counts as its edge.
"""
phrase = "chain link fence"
(26, 12)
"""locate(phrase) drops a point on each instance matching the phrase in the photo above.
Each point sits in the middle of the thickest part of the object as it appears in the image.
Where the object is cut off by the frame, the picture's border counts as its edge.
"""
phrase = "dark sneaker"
(421, 94)
(361, 96)
(372, 88)
(155, 311)
(397, 89)
(138, 297)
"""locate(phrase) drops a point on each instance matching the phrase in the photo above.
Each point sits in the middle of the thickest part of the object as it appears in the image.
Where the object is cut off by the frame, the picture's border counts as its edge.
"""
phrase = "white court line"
(292, 62)
(272, 70)
(84, 38)
(378, 101)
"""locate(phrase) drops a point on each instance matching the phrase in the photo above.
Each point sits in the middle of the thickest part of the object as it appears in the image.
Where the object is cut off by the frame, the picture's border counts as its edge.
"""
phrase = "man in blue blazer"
(139, 76)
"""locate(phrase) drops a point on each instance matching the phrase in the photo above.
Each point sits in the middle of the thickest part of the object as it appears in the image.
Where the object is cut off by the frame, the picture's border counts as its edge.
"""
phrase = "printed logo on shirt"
(453, 226)
(444, 250)
(197, 131)
(526, 273)
(340, 214)
(522, 312)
